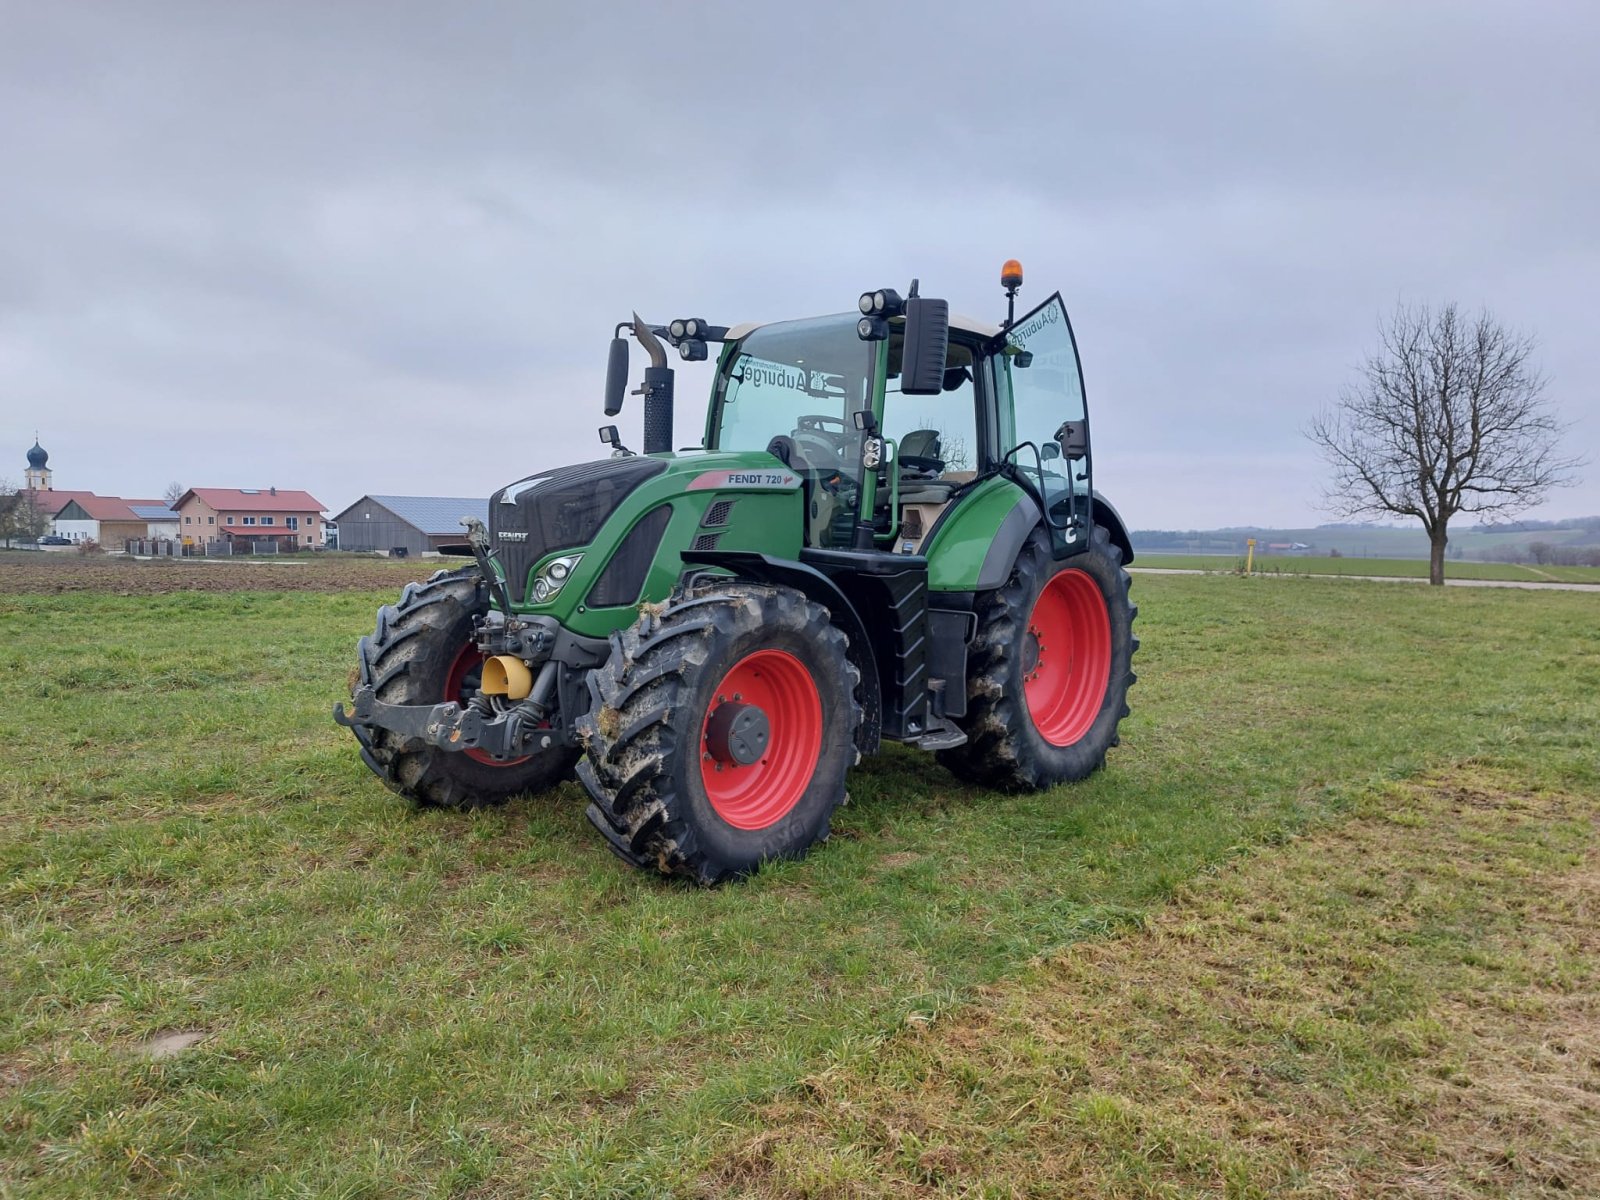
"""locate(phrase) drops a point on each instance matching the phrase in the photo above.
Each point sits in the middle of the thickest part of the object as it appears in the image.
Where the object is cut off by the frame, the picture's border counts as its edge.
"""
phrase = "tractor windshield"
(793, 378)
(802, 381)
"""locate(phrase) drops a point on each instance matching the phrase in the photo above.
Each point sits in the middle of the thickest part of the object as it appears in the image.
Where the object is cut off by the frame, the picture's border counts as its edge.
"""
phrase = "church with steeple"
(37, 477)
(108, 521)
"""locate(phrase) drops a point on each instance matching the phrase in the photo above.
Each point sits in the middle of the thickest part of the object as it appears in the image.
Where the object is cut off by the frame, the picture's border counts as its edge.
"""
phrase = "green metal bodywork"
(957, 548)
(768, 519)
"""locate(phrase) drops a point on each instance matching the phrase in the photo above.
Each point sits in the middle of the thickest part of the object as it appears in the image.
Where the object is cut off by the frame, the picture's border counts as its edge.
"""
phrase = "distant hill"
(1523, 541)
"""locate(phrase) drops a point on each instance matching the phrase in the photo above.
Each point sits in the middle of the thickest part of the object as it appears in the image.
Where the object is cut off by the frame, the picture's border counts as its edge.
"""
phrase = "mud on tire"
(653, 766)
(1005, 748)
(410, 659)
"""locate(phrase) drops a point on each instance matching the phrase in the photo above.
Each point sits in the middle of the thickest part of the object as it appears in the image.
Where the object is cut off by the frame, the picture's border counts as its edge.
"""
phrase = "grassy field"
(1403, 1005)
(1401, 568)
(399, 1004)
(1398, 541)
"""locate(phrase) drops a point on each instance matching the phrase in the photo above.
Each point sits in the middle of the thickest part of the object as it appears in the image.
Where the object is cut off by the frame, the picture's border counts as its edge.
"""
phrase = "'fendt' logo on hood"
(510, 535)
(779, 480)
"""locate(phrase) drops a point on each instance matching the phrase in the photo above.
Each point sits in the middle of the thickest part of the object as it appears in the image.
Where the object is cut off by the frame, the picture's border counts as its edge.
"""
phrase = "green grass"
(403, 1004)
(1405, 1004)
(1400, 568)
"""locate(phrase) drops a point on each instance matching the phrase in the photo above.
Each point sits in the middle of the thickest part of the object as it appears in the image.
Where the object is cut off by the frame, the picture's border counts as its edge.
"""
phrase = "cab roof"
(959, 321)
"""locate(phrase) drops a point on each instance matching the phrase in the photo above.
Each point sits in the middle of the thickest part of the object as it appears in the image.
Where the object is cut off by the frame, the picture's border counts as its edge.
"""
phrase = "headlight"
(553, 577)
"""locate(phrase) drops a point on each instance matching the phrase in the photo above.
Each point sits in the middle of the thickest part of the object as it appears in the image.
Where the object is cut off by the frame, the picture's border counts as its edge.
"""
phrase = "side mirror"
(1048, 451)
(927, 342)
(1074, 438)
(616, 375)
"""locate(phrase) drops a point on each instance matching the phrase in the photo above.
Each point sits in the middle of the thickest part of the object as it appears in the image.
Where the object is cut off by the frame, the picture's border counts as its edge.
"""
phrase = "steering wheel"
(820, 451)
(823, 448)
(815, 421)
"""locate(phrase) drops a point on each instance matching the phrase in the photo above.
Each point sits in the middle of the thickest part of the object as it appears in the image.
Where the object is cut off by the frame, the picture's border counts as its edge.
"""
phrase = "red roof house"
(289, 518)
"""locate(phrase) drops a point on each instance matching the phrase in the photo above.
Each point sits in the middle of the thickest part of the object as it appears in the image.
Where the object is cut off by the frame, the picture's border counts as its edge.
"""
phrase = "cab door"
(1043, 420)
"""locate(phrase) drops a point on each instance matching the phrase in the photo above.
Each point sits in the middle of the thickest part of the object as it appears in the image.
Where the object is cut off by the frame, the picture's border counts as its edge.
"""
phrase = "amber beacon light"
(1011, 280)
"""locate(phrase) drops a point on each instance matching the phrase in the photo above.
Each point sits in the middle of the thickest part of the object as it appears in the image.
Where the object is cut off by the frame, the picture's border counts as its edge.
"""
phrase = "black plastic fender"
(1105, 514)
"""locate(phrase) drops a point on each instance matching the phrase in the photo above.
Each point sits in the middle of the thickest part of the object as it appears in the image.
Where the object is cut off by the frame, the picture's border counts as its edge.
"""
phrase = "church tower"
(37, 477)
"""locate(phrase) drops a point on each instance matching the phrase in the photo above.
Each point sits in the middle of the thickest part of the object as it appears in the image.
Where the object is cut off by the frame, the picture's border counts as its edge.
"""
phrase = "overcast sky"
(380, 247)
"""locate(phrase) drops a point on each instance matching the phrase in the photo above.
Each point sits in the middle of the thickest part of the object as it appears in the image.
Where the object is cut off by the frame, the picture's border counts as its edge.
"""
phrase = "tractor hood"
(565, 508)
(558, 510)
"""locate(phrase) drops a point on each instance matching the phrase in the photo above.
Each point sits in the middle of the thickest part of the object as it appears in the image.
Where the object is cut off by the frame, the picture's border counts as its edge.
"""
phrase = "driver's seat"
(919, 463)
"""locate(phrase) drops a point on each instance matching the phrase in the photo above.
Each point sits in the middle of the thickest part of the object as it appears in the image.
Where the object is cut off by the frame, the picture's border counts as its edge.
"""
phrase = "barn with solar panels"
(415, 524)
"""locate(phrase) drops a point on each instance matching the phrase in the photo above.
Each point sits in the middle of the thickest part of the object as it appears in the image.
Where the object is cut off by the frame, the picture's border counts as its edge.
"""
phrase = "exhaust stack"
(657, 391)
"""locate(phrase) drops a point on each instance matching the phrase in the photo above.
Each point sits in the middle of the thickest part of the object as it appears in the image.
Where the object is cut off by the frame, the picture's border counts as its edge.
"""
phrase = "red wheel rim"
(1067, 657)
(461, 685)
(757, 794)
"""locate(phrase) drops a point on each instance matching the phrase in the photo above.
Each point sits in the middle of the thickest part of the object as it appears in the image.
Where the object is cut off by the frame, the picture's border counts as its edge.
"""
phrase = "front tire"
(720, 731)
(423, 652)
(1049, 670)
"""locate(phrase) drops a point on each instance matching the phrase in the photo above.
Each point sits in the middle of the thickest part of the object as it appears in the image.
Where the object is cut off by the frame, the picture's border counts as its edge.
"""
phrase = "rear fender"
(977, 539)
(1105, 514)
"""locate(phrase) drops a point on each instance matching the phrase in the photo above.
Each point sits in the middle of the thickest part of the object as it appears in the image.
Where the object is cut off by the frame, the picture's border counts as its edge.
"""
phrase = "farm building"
(110, 520)
(248, 517)
(416, 524)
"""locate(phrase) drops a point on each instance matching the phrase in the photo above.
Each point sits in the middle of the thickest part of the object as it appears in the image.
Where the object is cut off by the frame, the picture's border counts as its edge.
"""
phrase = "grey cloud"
(384, 244)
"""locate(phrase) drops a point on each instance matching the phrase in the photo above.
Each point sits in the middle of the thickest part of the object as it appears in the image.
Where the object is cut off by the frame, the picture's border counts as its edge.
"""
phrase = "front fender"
(766, 568)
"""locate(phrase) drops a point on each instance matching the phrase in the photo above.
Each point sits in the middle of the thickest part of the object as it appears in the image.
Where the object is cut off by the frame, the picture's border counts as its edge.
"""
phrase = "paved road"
(1482, 583)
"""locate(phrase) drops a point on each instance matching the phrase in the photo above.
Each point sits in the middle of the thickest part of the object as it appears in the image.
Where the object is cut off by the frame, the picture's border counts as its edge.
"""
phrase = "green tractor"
(890, 533)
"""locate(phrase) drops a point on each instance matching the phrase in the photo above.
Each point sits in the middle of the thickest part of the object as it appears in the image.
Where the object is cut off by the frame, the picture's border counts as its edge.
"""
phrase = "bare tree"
(20, 518)
(1448, 416)
(174, 493)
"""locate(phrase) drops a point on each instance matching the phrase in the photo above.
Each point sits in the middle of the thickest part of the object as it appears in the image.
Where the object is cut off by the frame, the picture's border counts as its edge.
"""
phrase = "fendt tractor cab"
(890, 532)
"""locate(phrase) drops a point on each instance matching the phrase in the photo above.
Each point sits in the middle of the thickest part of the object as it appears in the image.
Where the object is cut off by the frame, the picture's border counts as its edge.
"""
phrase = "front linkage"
(510, 717)
(505, 735)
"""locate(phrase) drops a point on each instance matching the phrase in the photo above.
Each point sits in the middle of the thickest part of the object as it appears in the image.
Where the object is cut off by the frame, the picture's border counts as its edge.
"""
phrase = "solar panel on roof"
(435, 515)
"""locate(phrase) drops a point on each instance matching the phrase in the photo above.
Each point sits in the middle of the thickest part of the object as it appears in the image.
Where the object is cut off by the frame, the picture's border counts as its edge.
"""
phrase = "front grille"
(717, 514)
(558, 510)
(623, 578)
(707, 541)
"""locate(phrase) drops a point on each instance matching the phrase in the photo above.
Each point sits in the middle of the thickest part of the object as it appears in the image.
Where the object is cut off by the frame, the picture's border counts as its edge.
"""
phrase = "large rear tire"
(422, 652)
(720, 731)
(1049, 670)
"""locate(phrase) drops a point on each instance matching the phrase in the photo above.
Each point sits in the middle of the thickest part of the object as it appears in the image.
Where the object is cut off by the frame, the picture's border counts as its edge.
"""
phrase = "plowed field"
(44, 573)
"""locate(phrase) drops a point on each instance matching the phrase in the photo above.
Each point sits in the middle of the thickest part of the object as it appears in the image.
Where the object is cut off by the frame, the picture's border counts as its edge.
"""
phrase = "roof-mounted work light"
(885, 303)
(688, 327)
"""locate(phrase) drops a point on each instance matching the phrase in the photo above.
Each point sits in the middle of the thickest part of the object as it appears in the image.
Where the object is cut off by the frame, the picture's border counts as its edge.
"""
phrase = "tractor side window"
(937, 436)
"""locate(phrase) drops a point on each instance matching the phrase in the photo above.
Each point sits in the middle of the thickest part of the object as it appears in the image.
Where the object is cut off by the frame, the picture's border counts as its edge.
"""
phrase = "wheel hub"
(1032, 652)
(738, 733)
